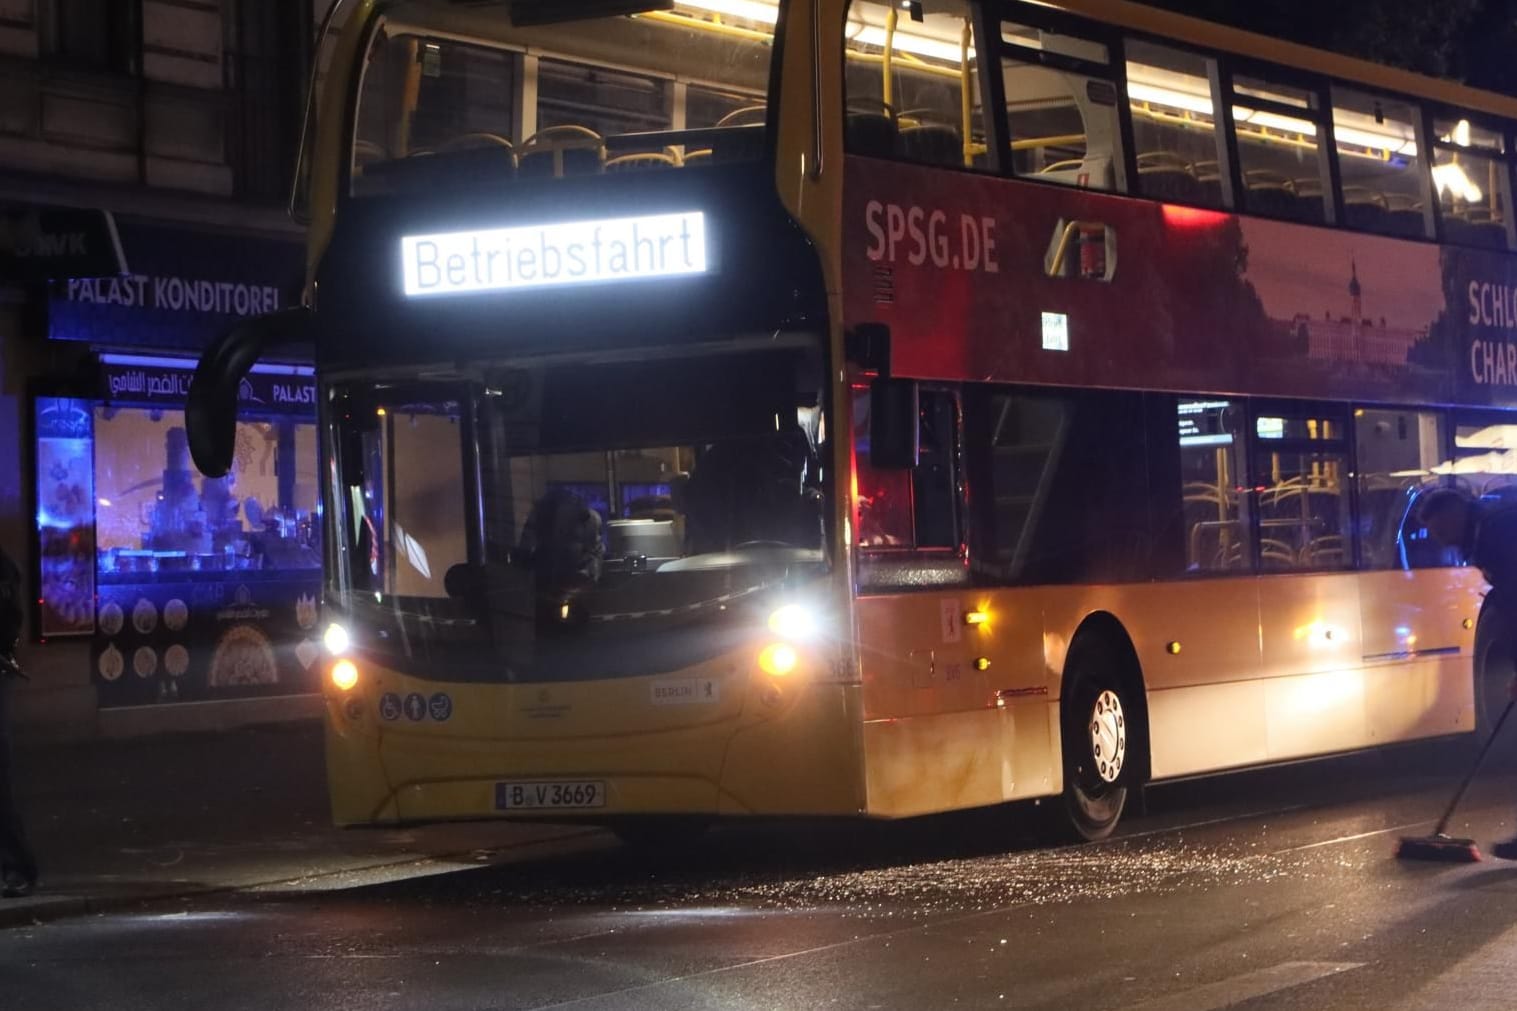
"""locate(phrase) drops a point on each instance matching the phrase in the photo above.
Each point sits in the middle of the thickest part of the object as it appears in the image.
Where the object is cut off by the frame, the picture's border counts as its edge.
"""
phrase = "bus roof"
(1209, 35)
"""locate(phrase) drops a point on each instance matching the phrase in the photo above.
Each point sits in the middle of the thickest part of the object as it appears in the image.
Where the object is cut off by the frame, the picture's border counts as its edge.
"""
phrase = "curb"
(43, 908)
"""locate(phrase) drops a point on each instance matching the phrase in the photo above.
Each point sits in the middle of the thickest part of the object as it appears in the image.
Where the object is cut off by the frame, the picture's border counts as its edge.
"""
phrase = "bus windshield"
(578, 520)
(486, 93)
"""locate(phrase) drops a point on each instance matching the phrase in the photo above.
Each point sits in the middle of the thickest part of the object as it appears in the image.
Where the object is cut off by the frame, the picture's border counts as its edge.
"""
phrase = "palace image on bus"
(813, 408)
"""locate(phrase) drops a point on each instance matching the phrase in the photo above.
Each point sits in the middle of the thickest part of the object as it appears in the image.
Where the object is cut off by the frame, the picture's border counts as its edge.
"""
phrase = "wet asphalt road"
(1270, 890)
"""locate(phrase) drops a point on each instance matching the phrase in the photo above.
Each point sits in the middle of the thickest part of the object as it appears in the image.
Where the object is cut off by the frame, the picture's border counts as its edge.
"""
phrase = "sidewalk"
(120, 822)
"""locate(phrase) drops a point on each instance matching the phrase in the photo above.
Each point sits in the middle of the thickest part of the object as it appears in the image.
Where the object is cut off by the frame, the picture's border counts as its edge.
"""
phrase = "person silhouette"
(18, 865)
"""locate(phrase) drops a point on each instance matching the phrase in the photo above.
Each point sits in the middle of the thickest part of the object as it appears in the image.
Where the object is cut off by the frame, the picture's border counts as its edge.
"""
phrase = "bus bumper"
(791, 749)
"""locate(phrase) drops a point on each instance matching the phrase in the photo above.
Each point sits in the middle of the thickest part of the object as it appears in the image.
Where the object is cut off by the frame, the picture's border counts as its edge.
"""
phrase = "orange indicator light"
(778, 659)
(344, 675)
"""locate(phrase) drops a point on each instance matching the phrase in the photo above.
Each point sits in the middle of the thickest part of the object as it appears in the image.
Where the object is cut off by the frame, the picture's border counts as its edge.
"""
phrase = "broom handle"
(1469, 778)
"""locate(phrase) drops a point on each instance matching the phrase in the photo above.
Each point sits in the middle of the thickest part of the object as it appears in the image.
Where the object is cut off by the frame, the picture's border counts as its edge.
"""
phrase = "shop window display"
(193, 588)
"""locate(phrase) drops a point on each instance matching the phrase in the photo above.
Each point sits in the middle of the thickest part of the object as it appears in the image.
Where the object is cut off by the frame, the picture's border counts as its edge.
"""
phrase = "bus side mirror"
(210, 412)
(894, 424)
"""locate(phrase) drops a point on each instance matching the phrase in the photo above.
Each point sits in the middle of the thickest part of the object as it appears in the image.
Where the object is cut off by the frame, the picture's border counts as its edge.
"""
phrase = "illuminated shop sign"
(186, 287)
(140, 379)
(537, 256)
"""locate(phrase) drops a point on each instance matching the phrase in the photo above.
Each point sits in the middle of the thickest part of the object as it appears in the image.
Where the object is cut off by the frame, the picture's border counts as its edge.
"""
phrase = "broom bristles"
(1444, 849)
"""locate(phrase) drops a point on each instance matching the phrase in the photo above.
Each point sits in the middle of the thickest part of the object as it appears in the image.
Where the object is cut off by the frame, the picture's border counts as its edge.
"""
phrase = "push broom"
(1440, 845)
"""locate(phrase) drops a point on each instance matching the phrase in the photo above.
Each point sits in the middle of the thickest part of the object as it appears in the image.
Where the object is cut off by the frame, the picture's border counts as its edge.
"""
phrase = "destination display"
(1021, 282)
(535, 256)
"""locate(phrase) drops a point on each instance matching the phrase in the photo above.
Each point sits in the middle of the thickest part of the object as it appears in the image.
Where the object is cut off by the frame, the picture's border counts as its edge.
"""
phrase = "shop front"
(186, 589)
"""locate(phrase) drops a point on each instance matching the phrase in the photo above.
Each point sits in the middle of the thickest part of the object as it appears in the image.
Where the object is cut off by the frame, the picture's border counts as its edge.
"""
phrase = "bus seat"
(476, 154)
(1311, 186)
(1174, 185)
(1325, 552)
(642, 160)
(1407, 222)
(1486, 235)
(1276, 554)
(1309, 208)
(1163, 160)
(933, 144)
(1275, 201)
(1368, 216)
(1211, 191)
(748, 115)
(746, 140)
(562, 151)
(873, 134)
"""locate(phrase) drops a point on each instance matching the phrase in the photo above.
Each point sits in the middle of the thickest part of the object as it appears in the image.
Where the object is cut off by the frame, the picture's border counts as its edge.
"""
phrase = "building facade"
(163, 601)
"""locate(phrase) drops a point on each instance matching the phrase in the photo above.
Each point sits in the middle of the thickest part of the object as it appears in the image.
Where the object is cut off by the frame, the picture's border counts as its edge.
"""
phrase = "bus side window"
(1399, 454)
(1384, 189)
(1061, 107)
(1300, 490)
(1174, 128)
(1212, 491)
(907, 103)
(917, 508)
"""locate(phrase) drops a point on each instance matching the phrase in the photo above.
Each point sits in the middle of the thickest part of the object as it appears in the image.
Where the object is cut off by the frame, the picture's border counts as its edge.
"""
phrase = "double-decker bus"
(804, 407)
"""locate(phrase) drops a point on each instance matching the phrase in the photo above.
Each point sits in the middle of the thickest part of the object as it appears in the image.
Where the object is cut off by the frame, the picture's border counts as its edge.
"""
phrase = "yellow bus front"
(581, 495)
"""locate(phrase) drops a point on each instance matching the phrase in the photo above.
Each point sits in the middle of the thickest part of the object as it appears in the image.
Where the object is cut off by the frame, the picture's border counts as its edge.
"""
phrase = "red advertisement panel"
(993, 279)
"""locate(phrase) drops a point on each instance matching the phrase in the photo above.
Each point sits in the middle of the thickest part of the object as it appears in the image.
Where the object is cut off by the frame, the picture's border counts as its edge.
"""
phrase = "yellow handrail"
(715, 27)
(966, 99)
(1034, 143)
(1055, 267)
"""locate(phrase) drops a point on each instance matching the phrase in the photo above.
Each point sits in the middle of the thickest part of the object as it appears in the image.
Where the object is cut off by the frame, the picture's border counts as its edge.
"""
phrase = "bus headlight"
(335, 639)
(344, 675)
(795, 622)
(778, 659)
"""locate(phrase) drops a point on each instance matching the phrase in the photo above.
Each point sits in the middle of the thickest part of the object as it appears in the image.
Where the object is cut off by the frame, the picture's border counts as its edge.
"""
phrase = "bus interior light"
(979, 616)
(345, 675)
(778, 659)
(336, 639)
(1452, 177)
(751, 10)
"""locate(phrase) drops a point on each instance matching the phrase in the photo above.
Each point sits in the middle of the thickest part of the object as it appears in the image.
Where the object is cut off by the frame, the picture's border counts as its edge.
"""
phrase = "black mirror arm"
(211, 408)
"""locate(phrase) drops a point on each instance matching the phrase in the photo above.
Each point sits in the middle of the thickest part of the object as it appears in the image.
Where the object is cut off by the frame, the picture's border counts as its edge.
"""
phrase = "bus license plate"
(555, 794)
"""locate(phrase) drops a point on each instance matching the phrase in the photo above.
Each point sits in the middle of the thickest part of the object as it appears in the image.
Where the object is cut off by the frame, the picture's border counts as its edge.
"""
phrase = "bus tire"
(1495, 664)
(1101, 739)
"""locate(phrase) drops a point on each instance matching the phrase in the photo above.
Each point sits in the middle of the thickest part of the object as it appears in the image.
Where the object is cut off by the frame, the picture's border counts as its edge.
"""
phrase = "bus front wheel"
(1100, 740)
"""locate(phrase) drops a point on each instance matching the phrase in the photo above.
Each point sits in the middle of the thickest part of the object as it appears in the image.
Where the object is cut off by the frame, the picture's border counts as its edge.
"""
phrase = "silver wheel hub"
(1108, 736)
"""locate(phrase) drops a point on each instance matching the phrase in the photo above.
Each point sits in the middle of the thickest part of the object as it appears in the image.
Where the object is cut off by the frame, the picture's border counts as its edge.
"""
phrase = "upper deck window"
(1282, 164)
(1383, 189)
(485, 101)
(1061, 107)
(1471, 180)
(1174, 129)
(913, 84)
